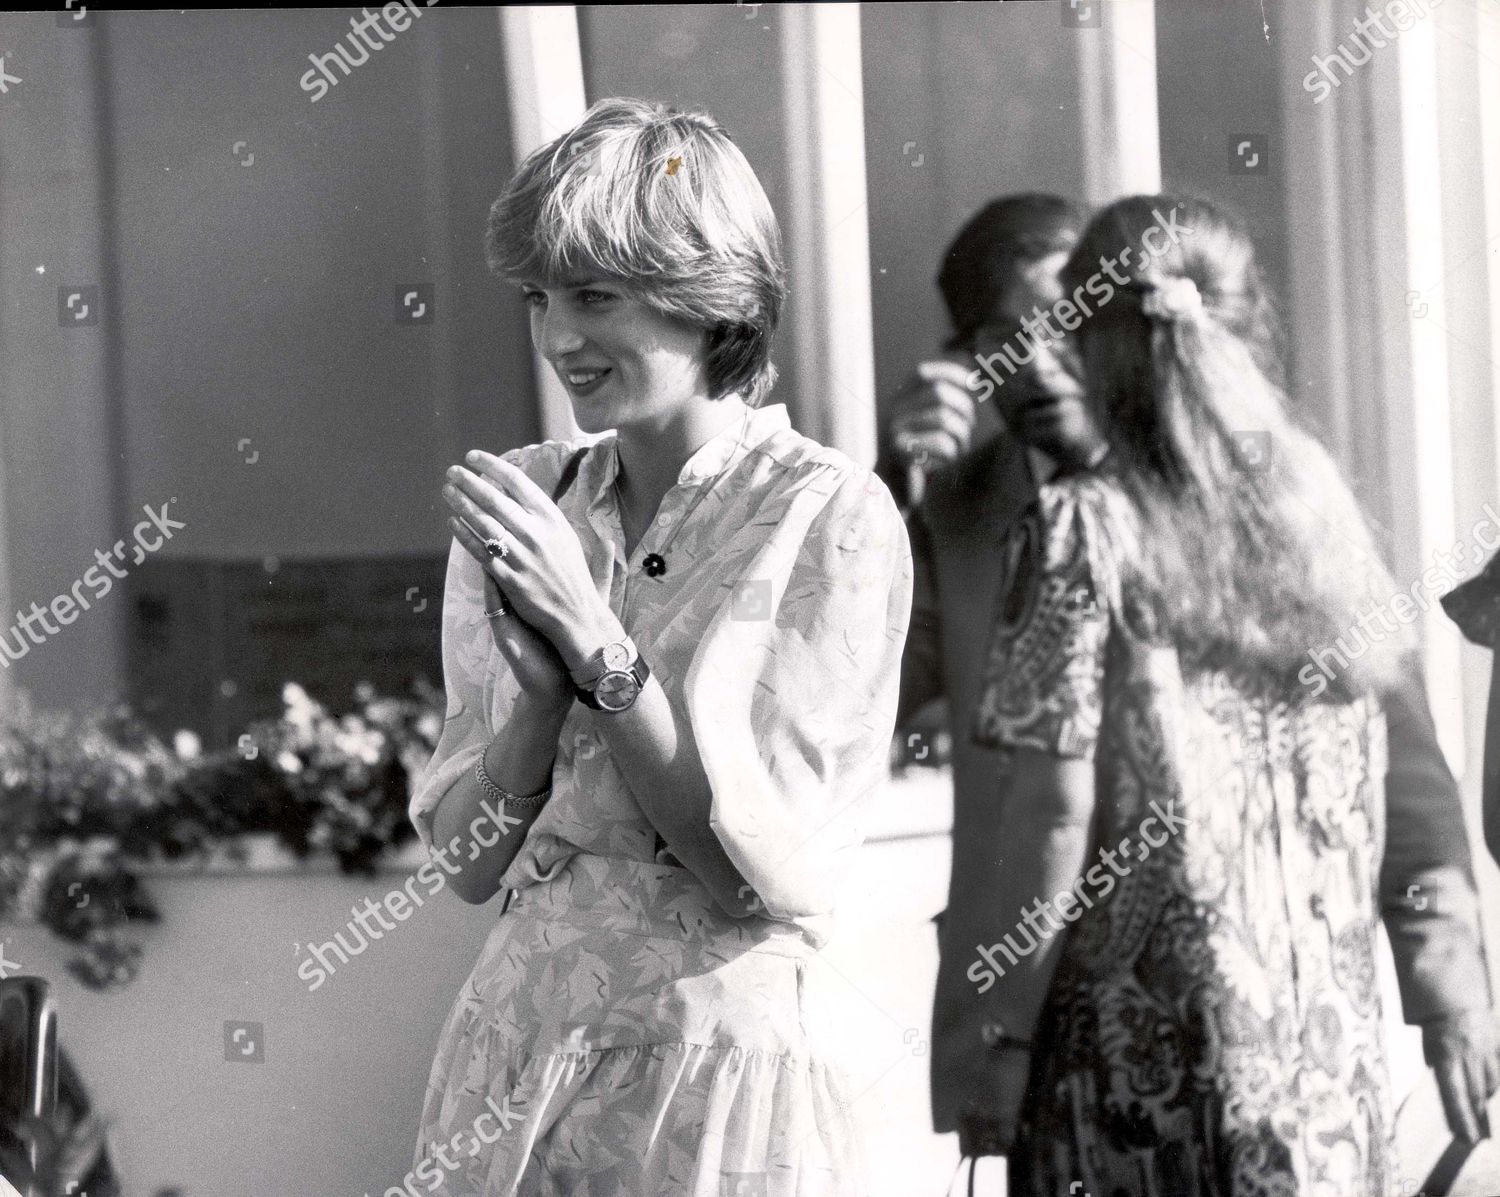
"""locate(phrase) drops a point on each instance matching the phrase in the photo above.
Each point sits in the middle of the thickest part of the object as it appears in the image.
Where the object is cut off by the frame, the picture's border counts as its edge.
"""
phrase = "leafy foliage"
(87, 800)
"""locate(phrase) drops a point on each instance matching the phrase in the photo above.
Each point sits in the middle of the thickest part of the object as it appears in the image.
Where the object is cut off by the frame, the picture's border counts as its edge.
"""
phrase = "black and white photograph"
(750, 600)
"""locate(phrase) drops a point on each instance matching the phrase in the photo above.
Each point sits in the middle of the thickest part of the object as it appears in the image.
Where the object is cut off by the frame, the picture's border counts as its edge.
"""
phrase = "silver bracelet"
(505, 796)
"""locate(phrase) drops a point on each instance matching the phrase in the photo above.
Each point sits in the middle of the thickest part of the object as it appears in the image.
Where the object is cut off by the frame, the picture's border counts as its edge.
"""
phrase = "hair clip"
(1171, 299)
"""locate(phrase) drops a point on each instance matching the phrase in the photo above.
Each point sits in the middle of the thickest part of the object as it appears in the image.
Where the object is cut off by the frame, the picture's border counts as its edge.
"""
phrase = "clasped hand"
(543, 578)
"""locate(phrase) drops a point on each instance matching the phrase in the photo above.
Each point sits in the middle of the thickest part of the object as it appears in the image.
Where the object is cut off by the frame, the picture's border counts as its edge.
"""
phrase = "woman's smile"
(583, 382)
(620, 360)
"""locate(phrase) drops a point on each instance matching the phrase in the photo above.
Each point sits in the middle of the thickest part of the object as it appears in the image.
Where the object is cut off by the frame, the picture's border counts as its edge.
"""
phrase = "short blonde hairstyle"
(663, 203)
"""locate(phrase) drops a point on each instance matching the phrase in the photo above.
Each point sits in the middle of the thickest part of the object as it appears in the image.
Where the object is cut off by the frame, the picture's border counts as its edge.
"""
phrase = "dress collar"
(720, 449)
(710, 459)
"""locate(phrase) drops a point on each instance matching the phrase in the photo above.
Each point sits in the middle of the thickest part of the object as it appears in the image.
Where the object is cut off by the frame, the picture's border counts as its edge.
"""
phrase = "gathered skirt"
(621, 1035)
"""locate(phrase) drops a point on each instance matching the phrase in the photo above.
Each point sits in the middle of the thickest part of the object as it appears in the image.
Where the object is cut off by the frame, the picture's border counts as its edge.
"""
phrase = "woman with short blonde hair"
(671, 657)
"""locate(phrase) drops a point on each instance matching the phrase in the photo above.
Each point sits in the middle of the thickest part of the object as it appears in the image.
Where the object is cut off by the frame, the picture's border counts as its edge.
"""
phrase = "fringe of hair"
(663, 204)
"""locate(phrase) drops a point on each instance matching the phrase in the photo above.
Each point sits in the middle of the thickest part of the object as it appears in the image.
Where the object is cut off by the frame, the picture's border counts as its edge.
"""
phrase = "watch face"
(616, 690)
(616, 656)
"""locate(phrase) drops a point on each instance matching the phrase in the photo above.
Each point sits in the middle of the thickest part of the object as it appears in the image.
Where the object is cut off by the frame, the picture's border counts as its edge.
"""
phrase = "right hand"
(1461, 1049)
(932, 423)
(531, 657)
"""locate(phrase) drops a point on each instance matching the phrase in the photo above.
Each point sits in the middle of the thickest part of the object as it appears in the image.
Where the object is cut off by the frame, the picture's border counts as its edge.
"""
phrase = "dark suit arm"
(890, 466)
(1427, 891)
(1490, 800)
(922, 660)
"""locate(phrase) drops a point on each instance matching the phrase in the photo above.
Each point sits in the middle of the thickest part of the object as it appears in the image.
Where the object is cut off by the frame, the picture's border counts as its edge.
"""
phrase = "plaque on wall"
(212, 642)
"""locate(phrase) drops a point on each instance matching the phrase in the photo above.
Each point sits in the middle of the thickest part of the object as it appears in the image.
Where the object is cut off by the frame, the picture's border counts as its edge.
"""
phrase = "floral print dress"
(620, 1033)
(1213, 1028)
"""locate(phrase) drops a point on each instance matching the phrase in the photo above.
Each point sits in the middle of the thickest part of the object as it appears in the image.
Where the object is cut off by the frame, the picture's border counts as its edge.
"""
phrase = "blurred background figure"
(979, 465)
(1000, 270)
(983, 463)
(1181, 972)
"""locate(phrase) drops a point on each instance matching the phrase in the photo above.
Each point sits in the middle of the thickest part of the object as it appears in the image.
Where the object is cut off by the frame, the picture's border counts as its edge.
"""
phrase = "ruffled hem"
(616, 1036)
(666, 1119)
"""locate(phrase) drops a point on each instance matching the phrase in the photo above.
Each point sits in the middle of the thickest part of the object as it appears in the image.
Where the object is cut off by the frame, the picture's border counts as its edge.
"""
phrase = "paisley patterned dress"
(621, 1034)
(1213, 1027)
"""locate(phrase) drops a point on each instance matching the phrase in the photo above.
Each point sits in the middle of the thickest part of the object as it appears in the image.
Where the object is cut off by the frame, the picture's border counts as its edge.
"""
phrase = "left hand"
(1460, 1049)
(987, 1120)
(544, 574)
(934, 414)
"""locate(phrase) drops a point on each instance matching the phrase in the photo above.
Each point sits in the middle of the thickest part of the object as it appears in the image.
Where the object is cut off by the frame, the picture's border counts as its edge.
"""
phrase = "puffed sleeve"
(466, 642)
(1043, 681)
(793, 703)
(471, 680)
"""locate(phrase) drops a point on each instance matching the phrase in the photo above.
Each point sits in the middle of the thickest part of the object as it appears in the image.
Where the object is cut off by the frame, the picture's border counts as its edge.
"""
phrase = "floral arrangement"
(346, 781)
(86, 800)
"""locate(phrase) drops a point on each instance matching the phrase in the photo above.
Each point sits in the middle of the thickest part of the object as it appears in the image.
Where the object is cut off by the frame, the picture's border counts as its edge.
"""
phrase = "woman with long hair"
(1182, 981)
(671, 656)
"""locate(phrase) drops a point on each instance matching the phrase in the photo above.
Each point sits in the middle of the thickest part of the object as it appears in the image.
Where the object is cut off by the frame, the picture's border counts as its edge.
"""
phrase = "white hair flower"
(1171, 299)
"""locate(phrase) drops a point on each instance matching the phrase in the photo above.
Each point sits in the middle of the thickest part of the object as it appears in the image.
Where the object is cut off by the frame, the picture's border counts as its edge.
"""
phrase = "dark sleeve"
(1427, 892)
(1475, 605)
(922, 659)
(890, 468)
(1490, 793)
